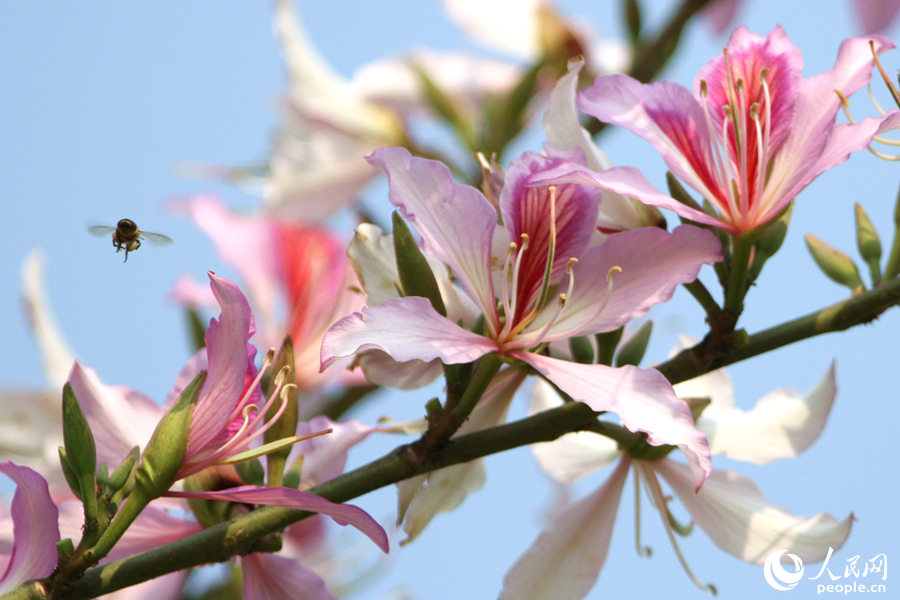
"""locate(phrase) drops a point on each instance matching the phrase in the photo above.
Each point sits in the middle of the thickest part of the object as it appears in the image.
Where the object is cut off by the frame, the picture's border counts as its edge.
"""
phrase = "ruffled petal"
(270, 577)
(35, 528)
(405, 328)
(739, 520)
(565, 561)
(455, 221)
(642, 398)
(781, 425)
(230, 356)
(343, 514)
(574, 455)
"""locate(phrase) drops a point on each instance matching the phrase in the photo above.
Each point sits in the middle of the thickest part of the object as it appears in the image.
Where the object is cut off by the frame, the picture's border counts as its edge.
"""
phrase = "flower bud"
(164, 454)
(839, 267)
(286, 426)
(869, 243)
(582, 350)
(80, 450)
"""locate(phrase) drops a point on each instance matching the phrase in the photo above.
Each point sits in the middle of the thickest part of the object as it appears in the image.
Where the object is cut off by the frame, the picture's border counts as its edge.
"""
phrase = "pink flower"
(35, 529)
(749, 138)
(568, 556)
(551, 286)
(299, 268)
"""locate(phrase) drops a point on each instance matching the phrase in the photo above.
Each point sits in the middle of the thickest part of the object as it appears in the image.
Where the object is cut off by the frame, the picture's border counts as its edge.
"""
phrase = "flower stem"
(737, 280)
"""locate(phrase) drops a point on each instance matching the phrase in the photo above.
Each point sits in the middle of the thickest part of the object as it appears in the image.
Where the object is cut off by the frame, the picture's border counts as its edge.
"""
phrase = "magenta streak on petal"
(343, 514)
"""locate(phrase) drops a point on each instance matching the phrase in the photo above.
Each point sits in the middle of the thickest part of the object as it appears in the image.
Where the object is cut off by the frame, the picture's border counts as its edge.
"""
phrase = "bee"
(127, 236)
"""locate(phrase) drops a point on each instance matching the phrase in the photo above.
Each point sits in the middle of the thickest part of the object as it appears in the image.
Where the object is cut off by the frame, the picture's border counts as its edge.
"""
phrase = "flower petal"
(642, 398)
(229, 358)
(35, 528)
(343, 514)
(406, 328)
(875, 16)
(781, 425)
(455, 221)
(381, 369)
(120, 418)
(270, 577)
(652, 263)
(739, 520)
(800, 158)
(56, 354)
(574, 455)
(565, 561)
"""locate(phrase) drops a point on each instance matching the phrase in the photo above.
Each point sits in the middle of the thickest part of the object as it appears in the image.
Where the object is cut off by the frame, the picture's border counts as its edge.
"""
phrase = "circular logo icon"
(776, 574)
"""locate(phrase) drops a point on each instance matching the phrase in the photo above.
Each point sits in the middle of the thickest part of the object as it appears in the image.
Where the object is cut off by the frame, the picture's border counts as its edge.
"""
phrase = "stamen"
(742, 140)
(760, 161)
(719, 172)
(641, 550)
(510, 315)
(729, 174)
(504, 288)
(871, 97)
(887, 80)
(560, 305)
(267, 362)
(653, 486)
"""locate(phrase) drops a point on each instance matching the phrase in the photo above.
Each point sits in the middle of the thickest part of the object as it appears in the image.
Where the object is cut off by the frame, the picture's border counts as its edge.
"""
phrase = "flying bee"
(127, 236)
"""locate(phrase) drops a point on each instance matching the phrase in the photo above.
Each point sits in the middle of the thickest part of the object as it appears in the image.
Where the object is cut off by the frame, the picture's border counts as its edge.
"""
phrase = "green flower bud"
(286, 426)
(839, 267)
(869, 243)
(416, 277)
(606, 346)
(80, 450)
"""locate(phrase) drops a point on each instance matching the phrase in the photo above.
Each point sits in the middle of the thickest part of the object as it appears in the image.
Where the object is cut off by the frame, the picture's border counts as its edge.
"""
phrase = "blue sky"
(100, 101)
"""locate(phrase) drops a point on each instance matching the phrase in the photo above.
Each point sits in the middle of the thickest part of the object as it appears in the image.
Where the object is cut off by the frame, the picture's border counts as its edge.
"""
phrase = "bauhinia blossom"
(297, 277)
(568, 556)
(549, 287)
(752, 134)
(874, 16)
(33, 517)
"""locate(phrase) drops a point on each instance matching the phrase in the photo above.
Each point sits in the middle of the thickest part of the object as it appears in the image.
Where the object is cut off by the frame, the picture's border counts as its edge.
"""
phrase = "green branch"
(713, 353)
(239, 536)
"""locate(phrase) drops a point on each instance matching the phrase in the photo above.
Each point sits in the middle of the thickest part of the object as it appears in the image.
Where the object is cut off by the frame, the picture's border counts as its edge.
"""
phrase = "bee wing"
(100, 230)
(157, 239)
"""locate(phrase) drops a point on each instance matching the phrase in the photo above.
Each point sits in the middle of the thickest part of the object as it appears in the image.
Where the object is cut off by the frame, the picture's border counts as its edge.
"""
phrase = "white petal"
(55, 352)
(781, 425)
(508, 25)
(565, 561)
(739, 520)
(574, 455)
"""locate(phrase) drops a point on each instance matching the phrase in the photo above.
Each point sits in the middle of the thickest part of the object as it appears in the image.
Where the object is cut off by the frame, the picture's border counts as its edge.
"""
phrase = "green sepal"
(286, 426)
(582, 350)
(632, 351)
(81, 451)
(632, 10)
(682, 530)
(196, 328)
(606, 346)
(69, 473)
(164, 454)
(416, 276)
(868, 242)
(446, 108)
(839, 267)
(893, 264)
(252, 472)
(102, 475)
